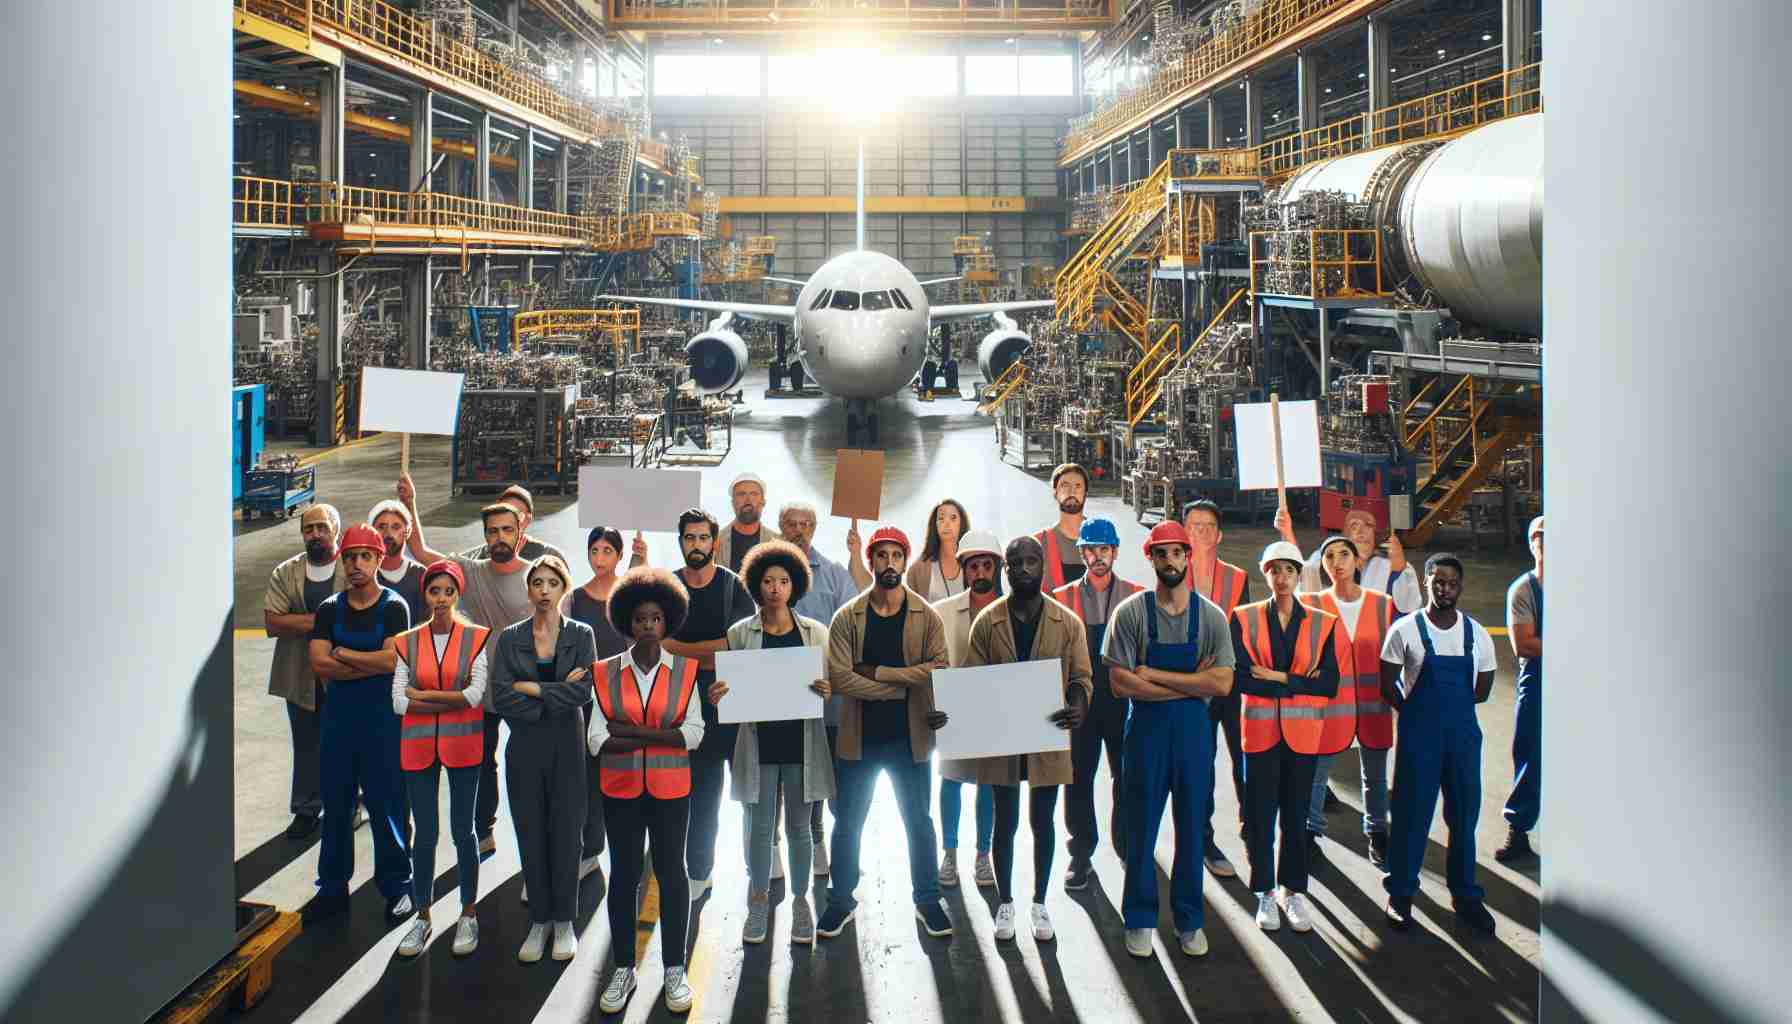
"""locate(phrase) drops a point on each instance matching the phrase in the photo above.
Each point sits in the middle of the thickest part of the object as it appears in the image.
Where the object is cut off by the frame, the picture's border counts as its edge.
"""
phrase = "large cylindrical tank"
(1464, 217)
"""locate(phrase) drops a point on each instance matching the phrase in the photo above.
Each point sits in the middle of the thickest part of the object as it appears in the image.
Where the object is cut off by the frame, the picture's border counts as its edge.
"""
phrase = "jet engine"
(718, 356)
(1001, 347)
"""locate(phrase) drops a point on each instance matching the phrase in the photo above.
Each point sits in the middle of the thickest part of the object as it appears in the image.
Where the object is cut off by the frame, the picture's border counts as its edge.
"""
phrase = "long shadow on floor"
(1227, 983)
(270, 858)
(1146, 985)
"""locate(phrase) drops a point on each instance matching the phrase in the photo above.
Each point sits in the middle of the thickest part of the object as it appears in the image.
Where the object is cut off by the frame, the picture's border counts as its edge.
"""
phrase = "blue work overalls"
(1437, 746)
(359, 749)
(1168, 754)
(1526, 801)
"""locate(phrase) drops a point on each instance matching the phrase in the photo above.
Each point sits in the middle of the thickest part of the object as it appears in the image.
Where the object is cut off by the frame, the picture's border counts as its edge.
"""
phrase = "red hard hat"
(1166, 532)
(887, 535)
(449, 568)
(361, 535)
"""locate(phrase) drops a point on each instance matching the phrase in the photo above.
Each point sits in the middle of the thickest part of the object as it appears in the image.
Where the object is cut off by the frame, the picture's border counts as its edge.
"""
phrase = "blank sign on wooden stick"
(636, 499)
(858, 484)
(1257, 445)
(409, 401)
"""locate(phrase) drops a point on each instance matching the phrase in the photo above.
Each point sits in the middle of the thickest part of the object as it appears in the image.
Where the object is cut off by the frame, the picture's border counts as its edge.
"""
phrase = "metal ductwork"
(1001, 347)
(718, 356)
(1462, 219)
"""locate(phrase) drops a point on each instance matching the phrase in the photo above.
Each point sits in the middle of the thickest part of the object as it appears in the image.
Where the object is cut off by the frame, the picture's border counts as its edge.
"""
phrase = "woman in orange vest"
(643, 738)
(1364, 617)
(438, 687)
(1288, 673)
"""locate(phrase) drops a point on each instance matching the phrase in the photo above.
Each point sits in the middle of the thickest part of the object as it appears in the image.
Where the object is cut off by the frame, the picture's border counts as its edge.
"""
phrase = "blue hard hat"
(1097, 531)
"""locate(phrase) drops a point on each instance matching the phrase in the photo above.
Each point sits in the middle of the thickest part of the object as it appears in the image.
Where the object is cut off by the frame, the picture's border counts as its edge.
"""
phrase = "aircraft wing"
(750, 310)
(972, 310)
(786, 280)
(939, 280)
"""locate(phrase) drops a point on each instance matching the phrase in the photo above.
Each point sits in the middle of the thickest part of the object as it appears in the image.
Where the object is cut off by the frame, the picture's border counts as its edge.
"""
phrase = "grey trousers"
(776, 780)
(593, 843)
(545, 778)
(307, 730)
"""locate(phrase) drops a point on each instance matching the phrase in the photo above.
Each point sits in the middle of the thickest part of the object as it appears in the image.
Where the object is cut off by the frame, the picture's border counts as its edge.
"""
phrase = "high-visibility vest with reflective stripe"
(1298, 719)
(1227, 588)
(663, 772)
(1054, 563)
(1359, 667)
(457, 737)
(1071, 596)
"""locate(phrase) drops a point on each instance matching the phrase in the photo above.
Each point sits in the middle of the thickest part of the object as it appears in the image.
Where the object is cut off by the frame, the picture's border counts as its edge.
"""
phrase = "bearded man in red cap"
(354, 650)
(882, 649)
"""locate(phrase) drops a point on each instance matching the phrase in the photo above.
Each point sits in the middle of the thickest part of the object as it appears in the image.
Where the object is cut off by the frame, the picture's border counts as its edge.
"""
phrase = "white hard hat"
(1280, 551)
(745, 478)
(1536, 528)
(979, 542)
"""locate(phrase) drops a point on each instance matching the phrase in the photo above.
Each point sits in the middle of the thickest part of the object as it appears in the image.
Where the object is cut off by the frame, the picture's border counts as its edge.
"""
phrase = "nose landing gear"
(861, 423)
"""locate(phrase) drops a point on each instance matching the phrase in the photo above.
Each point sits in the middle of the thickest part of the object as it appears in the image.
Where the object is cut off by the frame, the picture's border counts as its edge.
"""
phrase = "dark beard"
(1024, 590)
(748, 515)
(318, 552)
(889, 579)
(982, 586)
(500, 552)
(393, 547)
(695, 559)
(1171, 577)
(1071, 507)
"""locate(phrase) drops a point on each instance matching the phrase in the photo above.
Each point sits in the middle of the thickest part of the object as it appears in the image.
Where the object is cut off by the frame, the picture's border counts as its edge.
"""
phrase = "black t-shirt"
(596, 614)
(410, 587)
(1073, 571)
(741, 544)
(885, 721)
(782, 742)
(712, 612)
(360, 620)
(317, 590)
(1024, 632)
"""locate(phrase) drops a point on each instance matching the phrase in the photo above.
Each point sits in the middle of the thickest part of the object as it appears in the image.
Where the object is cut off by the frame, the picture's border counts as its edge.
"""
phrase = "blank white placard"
(997, 710)
(409, 401)
(770, 685)
(1256, 445)
(636, 499)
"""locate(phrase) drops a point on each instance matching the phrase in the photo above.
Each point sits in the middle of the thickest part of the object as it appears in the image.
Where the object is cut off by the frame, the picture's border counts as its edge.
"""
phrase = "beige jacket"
(290, 676)
(923, 648)
(1060, 636)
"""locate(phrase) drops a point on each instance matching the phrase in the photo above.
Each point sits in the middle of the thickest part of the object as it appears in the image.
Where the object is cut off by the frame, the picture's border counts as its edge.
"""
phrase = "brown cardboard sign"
(858, 483)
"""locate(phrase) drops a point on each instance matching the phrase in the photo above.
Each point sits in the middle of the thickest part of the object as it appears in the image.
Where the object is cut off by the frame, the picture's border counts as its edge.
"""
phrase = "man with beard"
(1436, 665)
(496, 597)
(718, 600)
(393, 523)
(1092, 599)
(1227, 586)
(1168, 651)
(1028, 626)
(296, 588)
(747, 495)
(882, 650)
(1063, 560)
(979, 563)
(353, 645)
(532, 548)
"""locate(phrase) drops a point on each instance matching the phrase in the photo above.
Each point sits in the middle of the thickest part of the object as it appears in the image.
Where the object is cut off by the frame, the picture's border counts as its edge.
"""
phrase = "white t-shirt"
(1405, 591)
(1403, 646)
(1350, 612)
(320, 573)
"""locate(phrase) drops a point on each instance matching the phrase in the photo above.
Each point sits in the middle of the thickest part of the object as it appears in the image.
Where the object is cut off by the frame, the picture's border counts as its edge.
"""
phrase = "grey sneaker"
(415, 940)
(802, 922)
(949, 869)
(622, 984)
(759, 918)
(986, 871)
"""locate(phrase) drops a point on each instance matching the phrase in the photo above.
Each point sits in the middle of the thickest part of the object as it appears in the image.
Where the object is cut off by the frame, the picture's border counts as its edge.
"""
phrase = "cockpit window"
(844, 299)
(899, 298)
(878, 300)
(822, 299)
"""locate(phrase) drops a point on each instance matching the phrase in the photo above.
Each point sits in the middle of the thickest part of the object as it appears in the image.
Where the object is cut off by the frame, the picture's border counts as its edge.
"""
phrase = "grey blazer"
(818, 760)
(513, 661)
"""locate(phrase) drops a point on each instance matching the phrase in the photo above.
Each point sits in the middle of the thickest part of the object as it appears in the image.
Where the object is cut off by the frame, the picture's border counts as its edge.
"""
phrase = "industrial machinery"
(515, 436)
(1363, 461)
(248, 414)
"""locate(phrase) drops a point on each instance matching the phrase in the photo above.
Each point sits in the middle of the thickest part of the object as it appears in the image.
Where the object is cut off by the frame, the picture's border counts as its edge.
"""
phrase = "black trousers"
(307, 729)
(660, 825)
(1278, 784)
(1224, 712)
(485, 816)
(1103, 728)
(1042, 807)
(546, 776)
(593, 841)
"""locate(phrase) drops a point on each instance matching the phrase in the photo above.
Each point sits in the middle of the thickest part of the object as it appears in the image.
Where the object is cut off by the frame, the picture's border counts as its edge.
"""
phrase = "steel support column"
(1253, 113)
(1517, 29)
(482, 156)
(562, 173)
(419, 301)
(1306, 73)
(331, 99)
(525, 170)
(423, 129)
(1380, 53)
(1216, 127)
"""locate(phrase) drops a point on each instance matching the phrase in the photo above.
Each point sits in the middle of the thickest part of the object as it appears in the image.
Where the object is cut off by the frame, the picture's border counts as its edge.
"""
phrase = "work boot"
(1378, 850)
(1472, 914)
(1517, 848)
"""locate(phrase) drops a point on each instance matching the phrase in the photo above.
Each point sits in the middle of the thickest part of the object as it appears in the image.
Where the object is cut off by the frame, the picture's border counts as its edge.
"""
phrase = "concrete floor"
(1350, 968)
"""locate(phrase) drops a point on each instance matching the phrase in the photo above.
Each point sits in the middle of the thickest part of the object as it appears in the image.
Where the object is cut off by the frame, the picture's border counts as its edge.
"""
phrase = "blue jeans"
(423, 787)
(857, 783)
(952, 808)
(1374, 767)
(1526, 800)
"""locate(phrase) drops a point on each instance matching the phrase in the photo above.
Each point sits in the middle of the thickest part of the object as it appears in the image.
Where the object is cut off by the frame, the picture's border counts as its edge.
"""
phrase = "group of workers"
(397, 670)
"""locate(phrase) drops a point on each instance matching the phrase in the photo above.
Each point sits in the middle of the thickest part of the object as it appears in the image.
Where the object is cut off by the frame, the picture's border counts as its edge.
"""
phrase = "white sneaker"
(1194, 943)
(1005, 923)
(590, 864)
(525, 894)
(777, 864)
(566, 942)
(536, 941)
(466, 936)
(622, 985)
(416, 939)
(1268, 918)
(1138, 941)
(699, 888)
(986, 871)
(1300, 915)
(949, 869)
(678, 990)
(1042, 924)
(360, 818)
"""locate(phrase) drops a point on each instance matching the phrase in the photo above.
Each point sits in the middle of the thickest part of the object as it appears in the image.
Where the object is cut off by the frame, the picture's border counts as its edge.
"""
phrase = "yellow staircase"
(1145, 383)
(1004, 386)
(1087, 278)
(1463, 441)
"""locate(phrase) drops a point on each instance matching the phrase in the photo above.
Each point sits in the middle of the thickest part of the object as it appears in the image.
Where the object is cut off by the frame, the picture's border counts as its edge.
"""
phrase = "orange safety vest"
(1298, 719)
(1054, 565)
(1359, 668)
(1070, 595)
(1228, 585)
(456, 737)
(663, 772)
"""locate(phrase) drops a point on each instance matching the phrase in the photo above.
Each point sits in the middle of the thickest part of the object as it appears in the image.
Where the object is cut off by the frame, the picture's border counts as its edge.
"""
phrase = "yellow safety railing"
(1145, 381)
(788, 15)
(621, 326)
(762, 245)
(1077, 282)
(1458, 406)
(268, 202)
(1213, 164)
(1284, 155)
(1006, 384)
(1337, 263)
(672, 225)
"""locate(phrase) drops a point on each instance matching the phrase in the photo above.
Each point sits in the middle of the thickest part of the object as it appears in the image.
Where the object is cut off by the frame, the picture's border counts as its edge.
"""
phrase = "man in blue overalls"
(1436, 665)
(1524, 621)
(1168, 650)
(352, 648)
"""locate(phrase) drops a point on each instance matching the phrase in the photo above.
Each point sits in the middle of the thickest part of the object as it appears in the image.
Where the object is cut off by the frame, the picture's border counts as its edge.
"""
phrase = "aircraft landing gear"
(861, 423)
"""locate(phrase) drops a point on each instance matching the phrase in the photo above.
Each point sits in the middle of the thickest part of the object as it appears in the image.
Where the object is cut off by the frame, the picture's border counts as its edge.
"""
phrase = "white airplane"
(861, 325)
